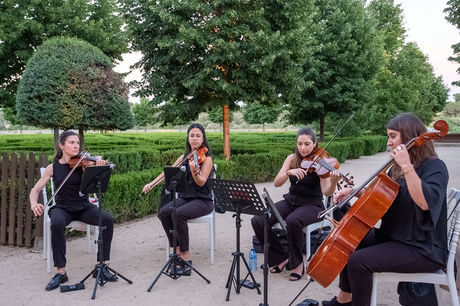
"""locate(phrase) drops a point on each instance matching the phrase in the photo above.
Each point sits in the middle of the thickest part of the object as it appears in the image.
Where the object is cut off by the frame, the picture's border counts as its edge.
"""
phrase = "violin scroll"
(198, 156)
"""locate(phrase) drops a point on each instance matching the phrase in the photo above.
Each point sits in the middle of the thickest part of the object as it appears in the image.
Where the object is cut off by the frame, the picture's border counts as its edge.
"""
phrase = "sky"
(425, 24)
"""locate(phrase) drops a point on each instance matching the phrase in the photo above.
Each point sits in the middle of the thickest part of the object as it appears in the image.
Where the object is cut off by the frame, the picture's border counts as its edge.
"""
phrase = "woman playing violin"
(299, 208)
(412, 236)
(196, 202)
(70, 206)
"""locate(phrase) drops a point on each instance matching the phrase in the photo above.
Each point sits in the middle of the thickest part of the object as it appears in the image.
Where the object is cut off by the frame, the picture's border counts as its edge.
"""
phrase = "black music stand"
(239, 197)
(271, 209)
(175, 180)
(96, 180)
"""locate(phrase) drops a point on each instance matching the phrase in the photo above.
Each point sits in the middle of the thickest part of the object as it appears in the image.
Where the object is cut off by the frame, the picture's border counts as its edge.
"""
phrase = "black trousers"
(372, 256)
(185, 210)
(296, 217)
(60, 218)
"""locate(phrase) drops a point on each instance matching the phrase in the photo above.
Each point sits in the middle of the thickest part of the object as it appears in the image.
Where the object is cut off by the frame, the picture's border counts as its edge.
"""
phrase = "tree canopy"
(453, 16)
(201, 54)
(347, 55)
(68, 83)
(144, 113)
(405, 81)
(255, 113)
(26, 24)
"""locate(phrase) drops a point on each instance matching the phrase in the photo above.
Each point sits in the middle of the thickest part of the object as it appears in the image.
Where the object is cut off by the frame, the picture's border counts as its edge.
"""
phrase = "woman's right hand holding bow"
(297, 172)
(147, 188)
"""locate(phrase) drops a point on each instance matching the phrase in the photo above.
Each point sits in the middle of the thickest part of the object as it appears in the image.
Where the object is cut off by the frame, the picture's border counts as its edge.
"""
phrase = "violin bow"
(330, 141)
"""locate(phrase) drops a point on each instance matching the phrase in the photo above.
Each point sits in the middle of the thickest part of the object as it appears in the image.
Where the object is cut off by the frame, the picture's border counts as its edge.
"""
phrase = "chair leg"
(167, 248)
(453, 293)
(308, 242)
(48, 248)
(211, 242)
(45, 238)
(374, 291)
(88, 237)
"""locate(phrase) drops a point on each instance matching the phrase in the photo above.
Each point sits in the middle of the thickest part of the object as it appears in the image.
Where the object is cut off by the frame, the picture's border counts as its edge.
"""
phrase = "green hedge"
(123, 199)
(140, 157)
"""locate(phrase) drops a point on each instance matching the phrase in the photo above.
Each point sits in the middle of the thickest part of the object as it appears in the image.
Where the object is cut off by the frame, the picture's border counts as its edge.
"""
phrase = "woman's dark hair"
(410, 126)
(62, 138)
(205, 140)
(298, 157)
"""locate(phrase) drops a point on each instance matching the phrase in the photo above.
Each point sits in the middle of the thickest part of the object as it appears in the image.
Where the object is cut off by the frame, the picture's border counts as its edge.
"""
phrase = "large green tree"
(347, 55)
(26, 24)
(68, 83)
(409, 86)
(255, 113)
(144, 113)
(405, 81)
(200, 54)
(389, 23)
(453, 16)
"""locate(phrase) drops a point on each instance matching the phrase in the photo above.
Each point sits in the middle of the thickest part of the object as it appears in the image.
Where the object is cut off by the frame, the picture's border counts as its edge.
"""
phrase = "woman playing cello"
(412, 236)
(196, 202)
(299, 208)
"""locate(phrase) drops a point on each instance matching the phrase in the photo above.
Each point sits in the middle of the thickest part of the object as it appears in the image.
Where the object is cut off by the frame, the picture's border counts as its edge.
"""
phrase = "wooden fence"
(17, 177)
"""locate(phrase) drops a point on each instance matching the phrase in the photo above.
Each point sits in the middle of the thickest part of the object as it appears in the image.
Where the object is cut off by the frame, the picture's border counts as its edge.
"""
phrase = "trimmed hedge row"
(139, 157)
(123, 201)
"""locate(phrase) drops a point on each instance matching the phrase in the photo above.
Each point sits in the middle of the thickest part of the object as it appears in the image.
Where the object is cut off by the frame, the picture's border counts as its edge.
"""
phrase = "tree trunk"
(81, 135)
(56, 140)
(321, 128)
(226, 124)
(263, 127)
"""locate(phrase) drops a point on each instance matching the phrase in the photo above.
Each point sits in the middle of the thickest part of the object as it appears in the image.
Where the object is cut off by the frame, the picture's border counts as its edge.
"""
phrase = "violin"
(197, 156)
(323, 164)
(83, 159)
(86, 161)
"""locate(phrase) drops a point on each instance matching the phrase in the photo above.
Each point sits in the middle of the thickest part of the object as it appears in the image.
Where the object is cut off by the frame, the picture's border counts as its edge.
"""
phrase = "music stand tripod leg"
(100, 266)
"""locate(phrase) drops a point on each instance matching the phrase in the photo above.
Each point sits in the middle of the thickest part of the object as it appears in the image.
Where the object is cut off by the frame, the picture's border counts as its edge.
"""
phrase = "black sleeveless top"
(193, 190)
(69, 196)
(307, 191)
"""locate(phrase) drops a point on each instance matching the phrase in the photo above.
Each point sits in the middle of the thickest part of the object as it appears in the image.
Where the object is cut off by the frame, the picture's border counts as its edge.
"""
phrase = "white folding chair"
(210, 220)
(312, 227)
(74, 225)
(439, 277)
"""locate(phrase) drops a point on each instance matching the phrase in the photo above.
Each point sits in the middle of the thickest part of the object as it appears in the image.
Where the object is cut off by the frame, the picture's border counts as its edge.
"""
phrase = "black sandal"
(296, 276)
(276, 269)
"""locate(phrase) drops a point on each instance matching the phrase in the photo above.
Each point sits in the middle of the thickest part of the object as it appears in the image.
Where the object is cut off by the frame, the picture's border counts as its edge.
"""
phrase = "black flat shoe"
(334, 302)
(293, 277)
(108, 276)
(57, 279)
(184, 269)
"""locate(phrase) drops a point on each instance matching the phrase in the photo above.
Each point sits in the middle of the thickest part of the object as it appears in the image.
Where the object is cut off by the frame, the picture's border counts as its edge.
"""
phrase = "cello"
(332, 256)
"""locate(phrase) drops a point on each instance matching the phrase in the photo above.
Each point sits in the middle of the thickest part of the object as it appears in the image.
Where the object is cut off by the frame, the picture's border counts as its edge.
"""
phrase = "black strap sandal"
(276, 269)
(293, 277)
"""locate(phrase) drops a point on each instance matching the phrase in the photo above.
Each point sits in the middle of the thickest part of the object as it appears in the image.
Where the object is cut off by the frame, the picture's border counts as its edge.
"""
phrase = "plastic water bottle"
(252, 260)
